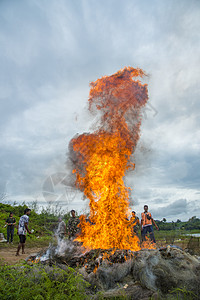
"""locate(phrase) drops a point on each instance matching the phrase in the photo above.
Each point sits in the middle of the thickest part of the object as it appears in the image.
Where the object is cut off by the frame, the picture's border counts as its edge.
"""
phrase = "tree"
(192, 219)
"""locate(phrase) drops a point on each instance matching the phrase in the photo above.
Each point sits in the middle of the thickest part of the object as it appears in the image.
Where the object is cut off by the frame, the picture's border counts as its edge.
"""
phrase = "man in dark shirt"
(135, 224)
(73, 225)
(10, 222)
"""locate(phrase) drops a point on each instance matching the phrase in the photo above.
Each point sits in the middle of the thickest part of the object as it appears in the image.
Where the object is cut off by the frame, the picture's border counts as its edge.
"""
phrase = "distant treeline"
(191, 224)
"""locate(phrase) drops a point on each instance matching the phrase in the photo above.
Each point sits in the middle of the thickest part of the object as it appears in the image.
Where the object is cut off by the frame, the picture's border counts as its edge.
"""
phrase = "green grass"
(173, 237)
(30, 243)
(183, 294)
(40, 283)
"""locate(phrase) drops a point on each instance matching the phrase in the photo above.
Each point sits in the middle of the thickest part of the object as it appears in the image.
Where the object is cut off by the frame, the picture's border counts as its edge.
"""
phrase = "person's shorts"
(22, 238)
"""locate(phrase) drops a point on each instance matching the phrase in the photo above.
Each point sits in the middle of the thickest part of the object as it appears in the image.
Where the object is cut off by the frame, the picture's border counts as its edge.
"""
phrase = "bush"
(40, 282)
(44, 223)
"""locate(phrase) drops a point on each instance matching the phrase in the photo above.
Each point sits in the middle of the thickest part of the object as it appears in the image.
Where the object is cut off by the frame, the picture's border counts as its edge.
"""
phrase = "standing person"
(73, 225)
(61, 231)
(22, 230)
(10, 222)
(146, 225)
(135, 224)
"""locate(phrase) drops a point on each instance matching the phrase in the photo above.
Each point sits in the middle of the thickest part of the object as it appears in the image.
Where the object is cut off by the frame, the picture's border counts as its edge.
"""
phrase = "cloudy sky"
(51, 50)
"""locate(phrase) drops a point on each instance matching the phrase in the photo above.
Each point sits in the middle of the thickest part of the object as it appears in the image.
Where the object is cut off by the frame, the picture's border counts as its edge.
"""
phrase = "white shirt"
(21, 228)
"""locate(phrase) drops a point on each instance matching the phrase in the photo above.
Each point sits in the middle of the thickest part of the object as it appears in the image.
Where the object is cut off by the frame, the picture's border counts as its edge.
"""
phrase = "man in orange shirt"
(146, 225)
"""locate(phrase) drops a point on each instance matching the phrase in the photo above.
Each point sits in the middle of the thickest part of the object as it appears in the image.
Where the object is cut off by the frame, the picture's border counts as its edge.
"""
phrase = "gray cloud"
(174, 209)
(50, 51)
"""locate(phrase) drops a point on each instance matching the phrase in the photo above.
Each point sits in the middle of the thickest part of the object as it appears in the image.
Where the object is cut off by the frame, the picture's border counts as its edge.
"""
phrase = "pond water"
(194, 234)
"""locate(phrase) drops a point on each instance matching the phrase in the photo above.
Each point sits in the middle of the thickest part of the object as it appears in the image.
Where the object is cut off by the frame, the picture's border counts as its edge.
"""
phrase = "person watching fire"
(22, 230)
(135, 224)
(10, 223)
(146, 225)
(73, 225)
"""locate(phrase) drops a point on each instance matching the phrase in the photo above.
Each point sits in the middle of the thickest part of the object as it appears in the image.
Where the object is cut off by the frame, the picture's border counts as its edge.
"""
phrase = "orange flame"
(35, 261)
(102, 158)
(148, 244)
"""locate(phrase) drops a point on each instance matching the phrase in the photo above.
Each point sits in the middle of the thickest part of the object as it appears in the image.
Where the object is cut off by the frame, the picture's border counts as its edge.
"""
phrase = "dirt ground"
(7, 254)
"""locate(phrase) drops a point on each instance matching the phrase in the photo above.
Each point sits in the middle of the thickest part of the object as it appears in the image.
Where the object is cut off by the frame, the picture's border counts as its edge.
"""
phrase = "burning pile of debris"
(99, 162)
(73, 255)
(138, 273)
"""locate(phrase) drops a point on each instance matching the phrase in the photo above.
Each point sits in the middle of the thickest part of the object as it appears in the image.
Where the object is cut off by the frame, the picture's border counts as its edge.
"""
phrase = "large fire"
(102, 159)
